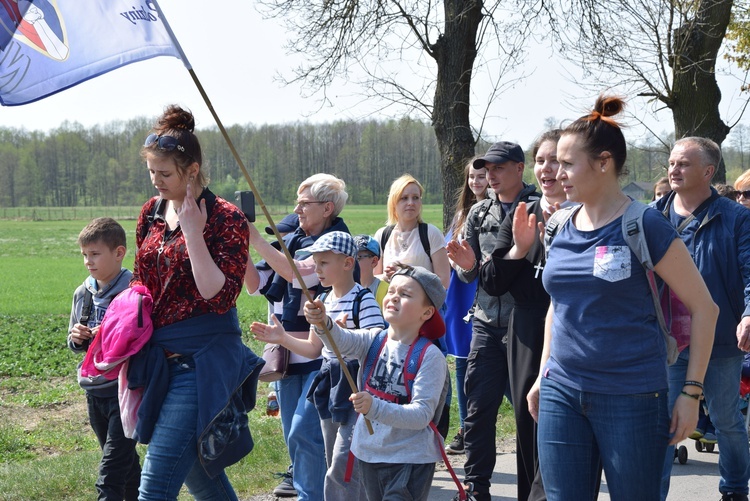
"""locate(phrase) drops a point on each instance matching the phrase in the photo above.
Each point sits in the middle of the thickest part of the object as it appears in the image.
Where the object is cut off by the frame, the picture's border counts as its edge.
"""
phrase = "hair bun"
(609, 106)
(174, 117)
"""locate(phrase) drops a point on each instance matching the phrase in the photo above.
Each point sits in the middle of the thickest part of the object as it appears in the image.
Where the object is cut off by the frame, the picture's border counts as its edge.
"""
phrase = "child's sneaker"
(457, 445)
(708, 438)
(697, 434)
(285, 489)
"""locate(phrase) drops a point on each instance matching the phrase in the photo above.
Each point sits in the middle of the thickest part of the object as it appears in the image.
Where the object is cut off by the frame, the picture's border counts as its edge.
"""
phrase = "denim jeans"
(172, 454)
(461, 363)
(120, 468)
(722, 389)
(304, 438)
(397, 482)
(627, 434)
(338, 441)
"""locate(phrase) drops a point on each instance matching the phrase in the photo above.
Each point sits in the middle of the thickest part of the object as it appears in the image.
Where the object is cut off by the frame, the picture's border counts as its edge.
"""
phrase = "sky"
(237, 56)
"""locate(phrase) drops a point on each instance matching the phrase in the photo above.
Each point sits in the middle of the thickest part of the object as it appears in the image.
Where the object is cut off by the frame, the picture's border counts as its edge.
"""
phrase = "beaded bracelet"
(691, 395)
(693, 383)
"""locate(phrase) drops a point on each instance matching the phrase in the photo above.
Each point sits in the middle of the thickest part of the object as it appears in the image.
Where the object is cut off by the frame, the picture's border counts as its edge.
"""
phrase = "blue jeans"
(304, 437)
(172, 454)
(461, 363)
(578, 431)
(722, 389)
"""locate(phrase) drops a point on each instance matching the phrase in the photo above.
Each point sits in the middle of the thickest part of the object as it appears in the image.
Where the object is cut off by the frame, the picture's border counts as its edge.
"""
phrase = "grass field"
(47, 449)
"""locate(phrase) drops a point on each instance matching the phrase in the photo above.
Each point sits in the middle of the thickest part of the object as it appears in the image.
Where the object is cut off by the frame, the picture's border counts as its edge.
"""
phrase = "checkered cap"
(368, 244)
(339, 242)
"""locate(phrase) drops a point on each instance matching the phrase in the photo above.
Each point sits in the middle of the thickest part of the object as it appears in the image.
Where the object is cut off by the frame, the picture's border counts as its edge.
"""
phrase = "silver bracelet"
(463, 270)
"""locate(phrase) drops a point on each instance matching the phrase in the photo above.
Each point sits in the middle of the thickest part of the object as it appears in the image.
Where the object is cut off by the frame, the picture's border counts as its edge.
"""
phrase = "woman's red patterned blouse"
(163, 265)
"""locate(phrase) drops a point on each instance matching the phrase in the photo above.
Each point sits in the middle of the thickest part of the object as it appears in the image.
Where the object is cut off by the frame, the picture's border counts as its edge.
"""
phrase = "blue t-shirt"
(605, 334)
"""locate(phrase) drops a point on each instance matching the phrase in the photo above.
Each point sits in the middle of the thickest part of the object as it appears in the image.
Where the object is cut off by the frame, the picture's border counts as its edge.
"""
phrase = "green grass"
(47, 449)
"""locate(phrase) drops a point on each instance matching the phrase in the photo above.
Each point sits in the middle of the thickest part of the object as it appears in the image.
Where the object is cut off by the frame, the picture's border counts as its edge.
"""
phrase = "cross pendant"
(538, 268)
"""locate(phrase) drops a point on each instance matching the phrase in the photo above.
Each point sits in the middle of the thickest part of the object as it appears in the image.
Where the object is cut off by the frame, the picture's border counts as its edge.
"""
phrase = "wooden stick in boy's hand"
(315, 314)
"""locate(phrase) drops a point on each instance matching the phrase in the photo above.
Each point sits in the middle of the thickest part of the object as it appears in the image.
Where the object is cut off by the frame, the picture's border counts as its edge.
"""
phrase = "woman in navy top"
(601, 395)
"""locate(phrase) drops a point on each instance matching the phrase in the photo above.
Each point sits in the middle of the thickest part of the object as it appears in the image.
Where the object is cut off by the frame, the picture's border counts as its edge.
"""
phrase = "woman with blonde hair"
(406, 238)
(742, 187)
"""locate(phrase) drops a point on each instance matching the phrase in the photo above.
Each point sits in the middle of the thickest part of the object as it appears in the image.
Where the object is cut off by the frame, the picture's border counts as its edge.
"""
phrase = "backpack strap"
(556, 221)
(157, 211)
(356, 305)
(385, 235)
(372, 356)
(414, 358)
(88, 304)
(425, 239)
(635, 236)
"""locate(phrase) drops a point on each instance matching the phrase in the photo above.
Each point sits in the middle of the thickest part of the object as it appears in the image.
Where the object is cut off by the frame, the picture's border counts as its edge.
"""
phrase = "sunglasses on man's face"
(745, 194)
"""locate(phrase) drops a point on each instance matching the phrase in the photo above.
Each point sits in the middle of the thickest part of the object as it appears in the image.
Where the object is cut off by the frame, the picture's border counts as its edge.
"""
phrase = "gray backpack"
(632, 231)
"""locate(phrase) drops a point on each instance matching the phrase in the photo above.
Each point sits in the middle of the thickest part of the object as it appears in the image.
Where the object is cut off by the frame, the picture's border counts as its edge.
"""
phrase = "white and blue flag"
(49, 45)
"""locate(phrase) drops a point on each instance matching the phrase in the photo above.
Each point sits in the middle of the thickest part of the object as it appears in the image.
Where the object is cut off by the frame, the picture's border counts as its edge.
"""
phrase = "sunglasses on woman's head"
(166, 143)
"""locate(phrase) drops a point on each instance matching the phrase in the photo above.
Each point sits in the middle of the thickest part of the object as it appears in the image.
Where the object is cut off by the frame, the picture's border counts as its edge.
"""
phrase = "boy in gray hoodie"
(103, 247)
(398, 459)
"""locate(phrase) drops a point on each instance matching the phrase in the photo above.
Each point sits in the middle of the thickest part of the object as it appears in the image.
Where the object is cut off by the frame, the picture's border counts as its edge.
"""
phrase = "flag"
(50, 45)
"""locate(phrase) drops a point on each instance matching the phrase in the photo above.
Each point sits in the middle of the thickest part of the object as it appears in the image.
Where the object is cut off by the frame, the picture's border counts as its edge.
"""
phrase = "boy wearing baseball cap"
(368, 256)
(399, 399)
(351, 305)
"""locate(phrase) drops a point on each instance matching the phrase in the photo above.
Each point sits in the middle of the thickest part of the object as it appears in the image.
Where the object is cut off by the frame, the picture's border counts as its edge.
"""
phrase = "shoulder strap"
(356, 305)
(634, 234)
(372, 356)
(632, 231)
(423, 236)
(414, 358)
(694, 214)
(88, 304)
(482, 214)
(385, 235)
(556, 221)
(157, 209)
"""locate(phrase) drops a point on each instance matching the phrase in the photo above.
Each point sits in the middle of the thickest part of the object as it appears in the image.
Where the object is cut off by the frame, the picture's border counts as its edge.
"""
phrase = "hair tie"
(597, 115)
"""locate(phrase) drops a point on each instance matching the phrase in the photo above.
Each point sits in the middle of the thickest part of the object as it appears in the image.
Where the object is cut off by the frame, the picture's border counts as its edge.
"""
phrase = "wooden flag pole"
(259, 200)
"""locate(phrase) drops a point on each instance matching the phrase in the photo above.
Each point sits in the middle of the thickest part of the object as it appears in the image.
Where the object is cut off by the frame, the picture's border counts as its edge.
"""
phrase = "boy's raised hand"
(315, 313)
(273, 333)
(362, 401)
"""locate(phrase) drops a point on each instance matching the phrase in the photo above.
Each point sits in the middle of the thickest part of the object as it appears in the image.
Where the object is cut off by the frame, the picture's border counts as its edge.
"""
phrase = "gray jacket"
(100, 386)
(482, 230)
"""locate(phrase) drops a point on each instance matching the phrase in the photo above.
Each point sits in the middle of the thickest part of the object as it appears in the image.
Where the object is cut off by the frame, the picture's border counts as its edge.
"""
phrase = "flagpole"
(259, 200)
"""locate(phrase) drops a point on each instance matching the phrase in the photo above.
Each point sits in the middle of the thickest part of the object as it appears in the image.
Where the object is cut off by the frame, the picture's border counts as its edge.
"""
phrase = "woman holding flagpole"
(198, 377)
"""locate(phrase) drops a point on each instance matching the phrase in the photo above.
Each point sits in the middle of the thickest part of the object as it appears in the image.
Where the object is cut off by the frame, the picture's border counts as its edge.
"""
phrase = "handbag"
(277, 363)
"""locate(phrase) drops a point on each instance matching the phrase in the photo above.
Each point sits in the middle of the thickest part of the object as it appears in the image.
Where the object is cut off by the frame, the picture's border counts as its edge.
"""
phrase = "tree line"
(73, 166)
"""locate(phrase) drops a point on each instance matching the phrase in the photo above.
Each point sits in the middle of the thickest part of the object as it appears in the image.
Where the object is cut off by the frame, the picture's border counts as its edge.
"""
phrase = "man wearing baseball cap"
(487, 364)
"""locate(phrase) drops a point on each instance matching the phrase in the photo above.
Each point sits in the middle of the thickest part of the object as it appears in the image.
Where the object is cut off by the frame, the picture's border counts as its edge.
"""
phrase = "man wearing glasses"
(716, 232)
(320, 199)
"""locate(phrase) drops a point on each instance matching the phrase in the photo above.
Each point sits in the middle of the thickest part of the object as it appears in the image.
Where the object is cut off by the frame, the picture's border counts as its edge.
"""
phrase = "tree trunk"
(455, 52)
(695, 93)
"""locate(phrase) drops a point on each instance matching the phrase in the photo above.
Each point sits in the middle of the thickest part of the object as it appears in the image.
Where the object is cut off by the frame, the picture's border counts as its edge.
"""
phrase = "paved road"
(697, 480)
